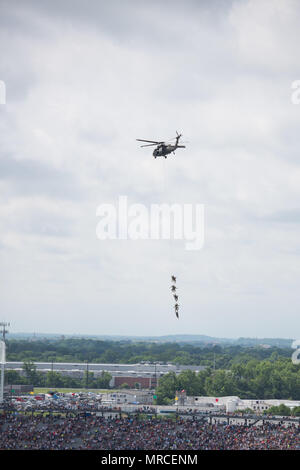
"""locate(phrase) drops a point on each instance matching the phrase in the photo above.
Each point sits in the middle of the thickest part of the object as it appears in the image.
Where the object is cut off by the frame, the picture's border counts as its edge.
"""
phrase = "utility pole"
(87, 375)
(52, 379)
(2, 362)
(3, 325)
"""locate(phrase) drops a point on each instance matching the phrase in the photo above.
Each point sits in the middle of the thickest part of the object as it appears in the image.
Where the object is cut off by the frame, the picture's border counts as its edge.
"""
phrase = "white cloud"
(267, 35)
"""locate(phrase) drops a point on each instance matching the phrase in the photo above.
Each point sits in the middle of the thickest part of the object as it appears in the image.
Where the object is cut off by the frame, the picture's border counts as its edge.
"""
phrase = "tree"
(189, 381)
(13, 377)
(221, 383)
(295, 411)
(281, 410)
(124, 385)
(166, 389)
(30, 372)
(54, 379)
(104, 380)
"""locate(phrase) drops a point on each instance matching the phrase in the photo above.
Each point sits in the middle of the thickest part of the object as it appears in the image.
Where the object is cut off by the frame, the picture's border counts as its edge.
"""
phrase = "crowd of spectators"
(58, 432)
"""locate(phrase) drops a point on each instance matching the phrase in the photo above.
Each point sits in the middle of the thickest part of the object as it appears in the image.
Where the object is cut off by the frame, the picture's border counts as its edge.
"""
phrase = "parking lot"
(96, 403)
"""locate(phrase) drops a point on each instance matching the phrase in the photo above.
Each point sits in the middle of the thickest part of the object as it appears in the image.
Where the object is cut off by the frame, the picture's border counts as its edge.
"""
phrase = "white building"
(127, 397)
(217, 403)
(232, 403)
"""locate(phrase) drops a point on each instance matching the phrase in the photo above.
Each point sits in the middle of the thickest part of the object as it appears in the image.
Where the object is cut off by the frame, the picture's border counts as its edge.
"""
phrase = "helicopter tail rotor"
(177, 137)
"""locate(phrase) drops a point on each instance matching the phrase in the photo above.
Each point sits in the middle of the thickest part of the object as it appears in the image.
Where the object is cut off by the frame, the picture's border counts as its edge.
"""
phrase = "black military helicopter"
(163, 148)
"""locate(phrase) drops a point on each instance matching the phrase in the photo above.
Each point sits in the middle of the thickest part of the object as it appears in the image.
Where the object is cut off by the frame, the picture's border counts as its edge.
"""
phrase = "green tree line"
(279, 379)
(127, 352)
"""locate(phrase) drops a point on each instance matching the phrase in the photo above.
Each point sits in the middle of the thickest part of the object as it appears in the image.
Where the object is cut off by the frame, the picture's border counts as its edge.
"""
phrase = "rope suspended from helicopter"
(162, 150)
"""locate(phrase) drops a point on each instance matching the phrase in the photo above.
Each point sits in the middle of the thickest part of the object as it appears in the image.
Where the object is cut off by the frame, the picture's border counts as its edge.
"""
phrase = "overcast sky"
(83, 81)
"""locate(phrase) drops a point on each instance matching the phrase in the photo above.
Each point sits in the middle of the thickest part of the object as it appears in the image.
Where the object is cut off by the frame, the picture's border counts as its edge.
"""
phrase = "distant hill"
(201, 340)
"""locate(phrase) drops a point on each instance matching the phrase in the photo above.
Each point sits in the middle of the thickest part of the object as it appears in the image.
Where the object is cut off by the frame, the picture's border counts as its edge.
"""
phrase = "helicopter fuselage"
(162, 150)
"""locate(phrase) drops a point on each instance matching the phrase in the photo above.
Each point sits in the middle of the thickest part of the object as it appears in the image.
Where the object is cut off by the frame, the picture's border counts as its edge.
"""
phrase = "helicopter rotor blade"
(153, 141)
(148, 145)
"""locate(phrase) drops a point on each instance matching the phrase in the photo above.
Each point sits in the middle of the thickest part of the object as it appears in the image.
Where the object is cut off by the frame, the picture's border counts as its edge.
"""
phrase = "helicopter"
(163, 148)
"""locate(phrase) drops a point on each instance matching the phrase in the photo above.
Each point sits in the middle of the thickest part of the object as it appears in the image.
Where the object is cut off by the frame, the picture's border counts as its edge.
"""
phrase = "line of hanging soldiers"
(173, 288)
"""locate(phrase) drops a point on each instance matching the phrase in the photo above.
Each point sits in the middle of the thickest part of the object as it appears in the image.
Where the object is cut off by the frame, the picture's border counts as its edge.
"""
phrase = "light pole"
(87, 375)
(2, 362)
(2, 358)
(3, 325)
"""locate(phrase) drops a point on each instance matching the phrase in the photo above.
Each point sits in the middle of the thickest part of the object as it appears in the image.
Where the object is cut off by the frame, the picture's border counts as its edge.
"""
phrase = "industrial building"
(141, 375)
